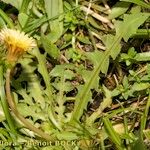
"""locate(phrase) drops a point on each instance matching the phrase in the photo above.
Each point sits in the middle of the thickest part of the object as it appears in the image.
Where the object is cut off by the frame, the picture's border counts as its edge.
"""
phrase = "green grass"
(86, 85)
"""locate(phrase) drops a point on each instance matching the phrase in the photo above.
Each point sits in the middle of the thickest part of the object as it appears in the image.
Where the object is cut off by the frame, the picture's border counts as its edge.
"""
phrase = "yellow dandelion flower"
(16, 43)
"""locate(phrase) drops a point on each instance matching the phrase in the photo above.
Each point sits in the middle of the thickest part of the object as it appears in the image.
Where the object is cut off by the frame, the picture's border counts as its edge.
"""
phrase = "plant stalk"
(13, 107)
(5, 104)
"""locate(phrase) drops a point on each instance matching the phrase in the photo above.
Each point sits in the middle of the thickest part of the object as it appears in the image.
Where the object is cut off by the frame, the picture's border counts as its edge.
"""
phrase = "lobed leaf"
(50, 48)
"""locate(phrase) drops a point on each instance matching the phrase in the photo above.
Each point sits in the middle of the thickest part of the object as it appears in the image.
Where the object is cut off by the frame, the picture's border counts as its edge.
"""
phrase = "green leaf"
(139, 86)
(118, 9)
(145, 56)
(147, 133)
(93, 22)
(52, 36)
(31, 26)
(23, 18)
(83, 39)
(105, 65)
(32, 110)
(50, 48)
(95, 58)
(113, 49)
(24, 6)
(64, 135)
(67, 86)
(138, 2)
(104, 104)
(6, 18)
(55, 8)
(132, 22)
(62, 71)
(138, 145)
(34, 88)
(81, 105)
(43, 71)
(2, 23)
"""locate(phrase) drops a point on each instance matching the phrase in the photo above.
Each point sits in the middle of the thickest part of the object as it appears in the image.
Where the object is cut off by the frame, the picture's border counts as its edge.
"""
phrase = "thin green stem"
(13, 107)
(125, 126)
(144, 117)
(5, 104)
(6, 18)
(102, 145)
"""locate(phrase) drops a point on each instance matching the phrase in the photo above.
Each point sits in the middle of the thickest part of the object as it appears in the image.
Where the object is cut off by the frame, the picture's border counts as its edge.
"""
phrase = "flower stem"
(6, 18)
(16, 112)
(5, 104)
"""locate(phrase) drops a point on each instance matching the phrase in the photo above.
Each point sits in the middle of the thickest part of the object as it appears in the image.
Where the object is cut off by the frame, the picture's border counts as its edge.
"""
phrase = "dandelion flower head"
(16, 43)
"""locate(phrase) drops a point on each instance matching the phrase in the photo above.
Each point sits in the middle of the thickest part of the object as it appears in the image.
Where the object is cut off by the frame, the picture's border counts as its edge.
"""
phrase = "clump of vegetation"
(74, 74)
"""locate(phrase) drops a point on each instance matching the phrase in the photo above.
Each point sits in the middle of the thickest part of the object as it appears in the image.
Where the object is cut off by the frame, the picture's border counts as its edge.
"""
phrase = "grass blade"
(112, 134)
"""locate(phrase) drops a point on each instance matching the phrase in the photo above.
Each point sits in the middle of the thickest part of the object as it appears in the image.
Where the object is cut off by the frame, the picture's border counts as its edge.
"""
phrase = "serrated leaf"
(62, 71)
(104, 104)
(26, 110)
(36, 91)
(114, 49)
(67, 86)
(81, 104)
(129, 26)
(95, 58)
(43, 71)
(57, 71)
(132, 22)
(34, 87)
(50, 48)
